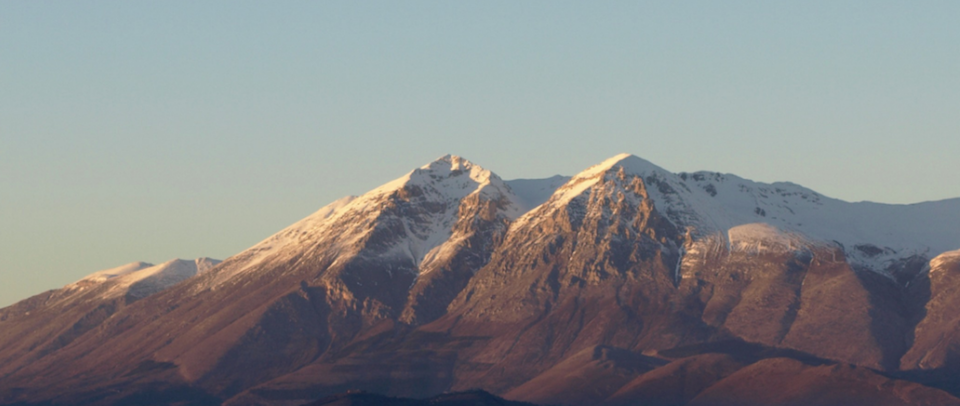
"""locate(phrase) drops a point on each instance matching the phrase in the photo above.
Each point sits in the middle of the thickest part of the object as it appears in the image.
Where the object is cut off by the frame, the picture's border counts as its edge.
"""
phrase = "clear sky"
(153, 130)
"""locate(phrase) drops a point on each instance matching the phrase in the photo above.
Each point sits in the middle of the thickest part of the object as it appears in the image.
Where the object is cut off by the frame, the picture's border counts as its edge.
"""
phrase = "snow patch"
(141, 279)
(761, 237)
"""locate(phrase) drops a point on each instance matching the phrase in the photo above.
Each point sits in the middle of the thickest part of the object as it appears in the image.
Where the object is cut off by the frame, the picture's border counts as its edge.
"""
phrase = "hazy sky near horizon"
(152, 130)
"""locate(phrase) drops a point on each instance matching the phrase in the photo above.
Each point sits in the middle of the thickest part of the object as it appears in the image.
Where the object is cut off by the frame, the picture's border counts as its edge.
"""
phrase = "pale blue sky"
(152, 130)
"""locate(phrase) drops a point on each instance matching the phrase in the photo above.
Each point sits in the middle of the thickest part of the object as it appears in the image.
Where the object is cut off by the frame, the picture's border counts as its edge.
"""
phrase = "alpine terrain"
(625, 284)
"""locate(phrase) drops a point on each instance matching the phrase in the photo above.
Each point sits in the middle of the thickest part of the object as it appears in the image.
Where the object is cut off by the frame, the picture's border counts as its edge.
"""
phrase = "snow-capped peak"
(579, 183)
(455, 162)
(411, 216)
(450, 175)
(630, 163)
(716, 206)
(448, 178)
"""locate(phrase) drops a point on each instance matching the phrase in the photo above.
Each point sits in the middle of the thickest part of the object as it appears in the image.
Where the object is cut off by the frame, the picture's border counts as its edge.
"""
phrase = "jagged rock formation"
(623, 283)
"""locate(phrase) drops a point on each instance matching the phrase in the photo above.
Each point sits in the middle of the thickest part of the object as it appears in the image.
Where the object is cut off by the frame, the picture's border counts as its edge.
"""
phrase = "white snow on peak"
(871, 234)
(629, 162)
(157, 278)
(762, 237)
(433, 192)
(297, 234)
(711, 204)
(583, 181)
(141, 279)
(449, 177)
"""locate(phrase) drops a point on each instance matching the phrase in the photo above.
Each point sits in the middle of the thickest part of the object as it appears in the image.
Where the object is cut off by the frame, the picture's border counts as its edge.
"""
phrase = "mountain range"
(624, 284)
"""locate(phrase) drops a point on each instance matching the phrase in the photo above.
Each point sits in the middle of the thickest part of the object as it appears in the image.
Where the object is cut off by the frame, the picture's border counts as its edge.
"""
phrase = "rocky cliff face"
(450, 279)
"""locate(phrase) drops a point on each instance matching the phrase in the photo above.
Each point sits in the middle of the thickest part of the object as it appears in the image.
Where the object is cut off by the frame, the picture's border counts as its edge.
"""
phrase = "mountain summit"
(622, 283)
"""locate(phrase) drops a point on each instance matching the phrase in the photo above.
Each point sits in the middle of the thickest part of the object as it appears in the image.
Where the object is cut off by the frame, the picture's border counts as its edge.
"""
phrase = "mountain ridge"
(450, 278)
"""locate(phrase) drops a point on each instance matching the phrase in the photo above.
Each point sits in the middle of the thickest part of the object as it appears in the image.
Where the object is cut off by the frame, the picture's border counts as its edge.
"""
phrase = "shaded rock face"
(615, 289)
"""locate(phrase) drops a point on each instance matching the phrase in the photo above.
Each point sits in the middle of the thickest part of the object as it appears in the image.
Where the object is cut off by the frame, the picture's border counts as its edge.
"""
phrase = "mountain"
(44, 324)
(621, 284)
